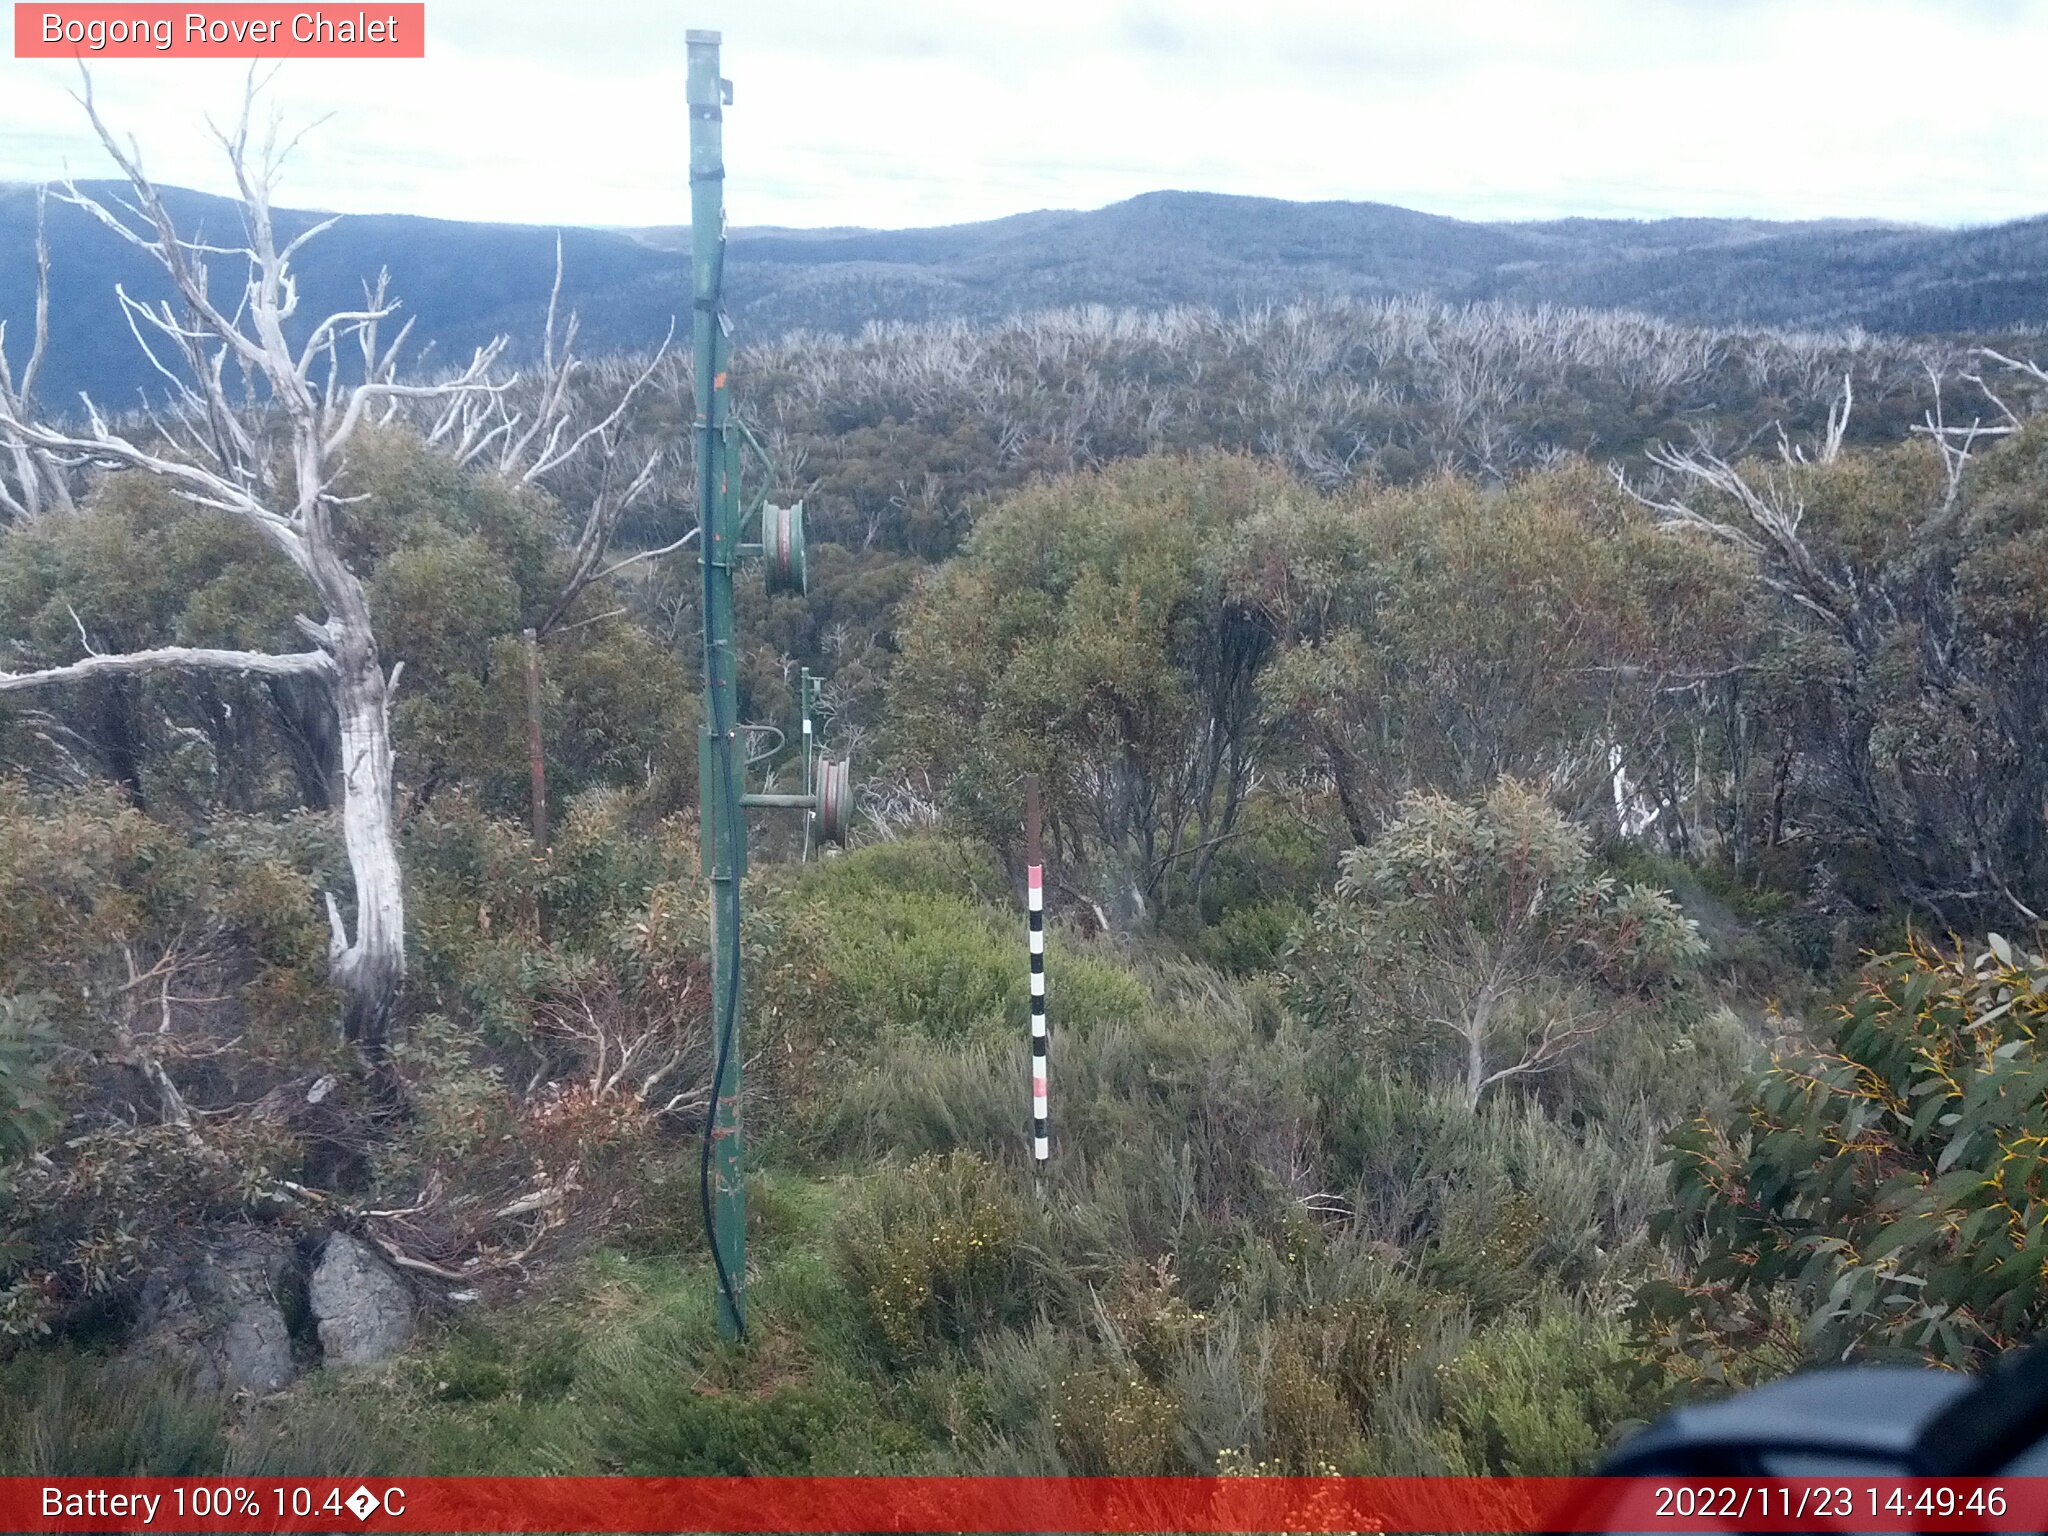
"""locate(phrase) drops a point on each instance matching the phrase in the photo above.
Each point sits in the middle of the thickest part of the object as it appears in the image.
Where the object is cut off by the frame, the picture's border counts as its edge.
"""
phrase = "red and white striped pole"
(1034, 880)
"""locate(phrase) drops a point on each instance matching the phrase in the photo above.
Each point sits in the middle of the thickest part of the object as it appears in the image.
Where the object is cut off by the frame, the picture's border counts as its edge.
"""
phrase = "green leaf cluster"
(1886, 1194)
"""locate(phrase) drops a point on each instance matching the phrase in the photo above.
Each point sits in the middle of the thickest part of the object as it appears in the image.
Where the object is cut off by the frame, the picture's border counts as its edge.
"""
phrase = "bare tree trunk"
(31, 482)
(1475, 1048)
(1339, 759)
(370, 970)
(1781, 784)
(1738, 736)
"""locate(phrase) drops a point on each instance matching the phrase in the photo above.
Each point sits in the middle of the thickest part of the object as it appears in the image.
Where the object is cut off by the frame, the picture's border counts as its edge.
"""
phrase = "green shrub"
(1539, 1399)
(26, 1116)
(912, 1096)
(934, 1250)
(1429, 1177)
(1309, 1431)
(604, 863)
(1477, 941)
(1146, 1318)
(937, 965)
(892, 936)
(945, 968)
(1089, 991)
(1250, 940)
(1086, 633)
(898, 998)
(459, 1102)
(1881, 1195)
(1377, 1323)
(1275, 857)
(701, 1431)
(1655, 1067)
(931, 866)
(1021, 1373)
(26, 1111)
(1114, 1423)
(89, 885)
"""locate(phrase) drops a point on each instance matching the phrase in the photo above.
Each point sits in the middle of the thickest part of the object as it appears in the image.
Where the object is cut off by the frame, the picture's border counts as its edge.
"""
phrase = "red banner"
(1021, 1504)
(379, 30)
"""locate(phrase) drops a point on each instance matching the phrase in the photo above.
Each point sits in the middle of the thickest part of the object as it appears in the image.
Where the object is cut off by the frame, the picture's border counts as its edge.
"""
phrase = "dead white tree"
(1768, 505)
(1912, 806)
(31, 482)
(273, 452)
(549, 434)
(1768, 508)
(1956, 440)
(625, 1056)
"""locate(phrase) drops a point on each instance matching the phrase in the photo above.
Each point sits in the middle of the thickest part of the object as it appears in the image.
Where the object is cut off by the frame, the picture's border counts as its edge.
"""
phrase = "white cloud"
(932, 111)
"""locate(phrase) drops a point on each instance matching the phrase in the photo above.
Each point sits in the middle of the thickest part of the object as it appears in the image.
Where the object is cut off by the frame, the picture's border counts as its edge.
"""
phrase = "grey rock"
(364, 1310)
(219, 1316)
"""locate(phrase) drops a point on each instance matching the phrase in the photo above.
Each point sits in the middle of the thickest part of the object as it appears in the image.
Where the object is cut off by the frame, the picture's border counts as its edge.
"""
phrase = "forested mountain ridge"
(467, 282)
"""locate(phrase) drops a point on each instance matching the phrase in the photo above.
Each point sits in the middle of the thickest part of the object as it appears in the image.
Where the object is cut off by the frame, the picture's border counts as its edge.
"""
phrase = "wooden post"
(533, 744)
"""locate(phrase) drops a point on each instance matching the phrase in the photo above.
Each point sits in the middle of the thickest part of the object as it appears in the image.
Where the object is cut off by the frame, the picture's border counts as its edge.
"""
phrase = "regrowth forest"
(1544, 825)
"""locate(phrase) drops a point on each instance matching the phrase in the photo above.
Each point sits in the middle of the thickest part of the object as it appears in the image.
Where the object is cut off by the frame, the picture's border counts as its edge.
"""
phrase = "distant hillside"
(467, 282)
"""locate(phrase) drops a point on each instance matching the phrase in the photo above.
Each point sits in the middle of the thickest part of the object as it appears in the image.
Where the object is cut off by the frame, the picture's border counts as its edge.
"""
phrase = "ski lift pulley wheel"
(782, 542)
(835, 799)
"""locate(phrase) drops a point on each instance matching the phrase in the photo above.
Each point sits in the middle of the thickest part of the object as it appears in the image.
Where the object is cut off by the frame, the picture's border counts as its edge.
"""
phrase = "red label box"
(377, 30)
(992, 1506)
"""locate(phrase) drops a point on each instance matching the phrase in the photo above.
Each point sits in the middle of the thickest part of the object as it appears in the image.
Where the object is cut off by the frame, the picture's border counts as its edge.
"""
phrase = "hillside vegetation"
(469, 282)
(1543, 816)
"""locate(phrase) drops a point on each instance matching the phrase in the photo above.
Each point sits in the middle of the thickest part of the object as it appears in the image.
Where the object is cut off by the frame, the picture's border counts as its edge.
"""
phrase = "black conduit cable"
(732, 929)
(725, 1033)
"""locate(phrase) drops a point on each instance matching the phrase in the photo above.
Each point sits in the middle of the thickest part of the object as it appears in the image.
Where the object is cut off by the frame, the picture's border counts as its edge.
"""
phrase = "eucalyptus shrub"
(1884, 1194)
(25, 1110)
(1479, 941)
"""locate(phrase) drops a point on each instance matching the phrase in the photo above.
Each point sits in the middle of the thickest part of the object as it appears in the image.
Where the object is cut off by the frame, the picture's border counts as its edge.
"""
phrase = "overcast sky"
(938, 111)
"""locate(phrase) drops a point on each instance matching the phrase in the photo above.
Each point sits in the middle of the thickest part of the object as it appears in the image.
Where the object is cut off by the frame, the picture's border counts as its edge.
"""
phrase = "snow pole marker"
(1034, 881)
